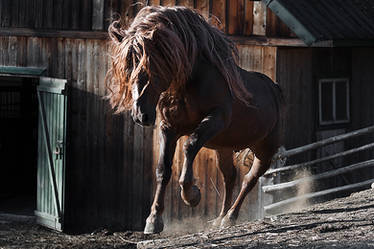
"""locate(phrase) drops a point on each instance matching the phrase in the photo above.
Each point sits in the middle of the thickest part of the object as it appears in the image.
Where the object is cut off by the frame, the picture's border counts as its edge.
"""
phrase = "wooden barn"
(69, 158)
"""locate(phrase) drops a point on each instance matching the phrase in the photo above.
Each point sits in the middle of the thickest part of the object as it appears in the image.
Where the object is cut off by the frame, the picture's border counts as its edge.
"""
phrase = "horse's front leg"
(209, 127)
(168, 139)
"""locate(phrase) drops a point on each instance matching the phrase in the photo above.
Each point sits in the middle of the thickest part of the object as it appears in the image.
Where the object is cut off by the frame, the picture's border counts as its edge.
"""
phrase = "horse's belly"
(247, 130)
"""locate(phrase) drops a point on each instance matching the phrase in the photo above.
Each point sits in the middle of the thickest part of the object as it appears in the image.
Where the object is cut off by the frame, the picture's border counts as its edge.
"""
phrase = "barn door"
(51, 152)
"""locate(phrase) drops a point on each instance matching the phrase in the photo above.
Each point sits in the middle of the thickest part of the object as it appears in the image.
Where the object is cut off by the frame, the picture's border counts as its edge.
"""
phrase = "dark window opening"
(333, 101)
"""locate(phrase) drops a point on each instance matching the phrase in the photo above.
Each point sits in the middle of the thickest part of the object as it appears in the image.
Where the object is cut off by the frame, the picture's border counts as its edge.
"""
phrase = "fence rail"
(317, 194)
(327, 141)
(280, 160)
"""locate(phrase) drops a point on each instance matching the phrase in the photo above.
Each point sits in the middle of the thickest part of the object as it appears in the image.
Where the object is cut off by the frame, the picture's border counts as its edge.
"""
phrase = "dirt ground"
(341, 223)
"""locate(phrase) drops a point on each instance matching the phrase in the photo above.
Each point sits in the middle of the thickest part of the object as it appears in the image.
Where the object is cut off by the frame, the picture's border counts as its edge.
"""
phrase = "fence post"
(268, 198)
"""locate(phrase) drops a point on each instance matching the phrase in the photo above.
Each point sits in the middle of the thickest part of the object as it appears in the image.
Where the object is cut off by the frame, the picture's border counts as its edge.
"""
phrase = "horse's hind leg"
(226, 167)
(168, 139)
(259, 167)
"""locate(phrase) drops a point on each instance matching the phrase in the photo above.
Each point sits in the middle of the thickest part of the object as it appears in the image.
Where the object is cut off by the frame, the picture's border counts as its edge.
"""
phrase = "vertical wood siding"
(109, 160)
(236, 17)
(294, 74)
(46, 14)
(362, 104)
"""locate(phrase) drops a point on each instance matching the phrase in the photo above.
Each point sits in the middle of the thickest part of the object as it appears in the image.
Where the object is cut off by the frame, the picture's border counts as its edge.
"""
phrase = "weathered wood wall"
(362, 104)
(235, 17)
(46, 14)
(109, 160)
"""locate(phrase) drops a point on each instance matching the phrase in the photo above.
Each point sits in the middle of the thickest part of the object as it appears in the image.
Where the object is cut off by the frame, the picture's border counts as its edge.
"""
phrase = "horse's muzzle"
(143, 119)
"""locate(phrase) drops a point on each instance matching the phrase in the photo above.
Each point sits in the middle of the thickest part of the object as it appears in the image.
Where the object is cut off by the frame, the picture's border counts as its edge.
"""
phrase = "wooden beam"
(99, 35)
(265, 41)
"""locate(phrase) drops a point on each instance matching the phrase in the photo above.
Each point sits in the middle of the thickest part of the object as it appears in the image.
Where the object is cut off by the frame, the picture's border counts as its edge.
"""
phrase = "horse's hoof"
(154, 224)
(227, 221)
(193, 198)
(217, 222)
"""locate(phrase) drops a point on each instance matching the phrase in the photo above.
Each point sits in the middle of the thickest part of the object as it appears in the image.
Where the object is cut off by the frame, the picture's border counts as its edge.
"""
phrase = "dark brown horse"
(171, 58)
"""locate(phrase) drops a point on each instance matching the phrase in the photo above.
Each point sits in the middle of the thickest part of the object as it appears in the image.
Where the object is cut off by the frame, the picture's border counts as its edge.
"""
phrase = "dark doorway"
(18, 145)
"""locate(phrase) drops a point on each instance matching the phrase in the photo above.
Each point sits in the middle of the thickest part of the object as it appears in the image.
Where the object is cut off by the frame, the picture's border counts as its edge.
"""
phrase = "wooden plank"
(275, 27)
(219, 14)
(6, 13)
(236, 17)
(167, 2)
(15, 13)
(154, 2)
(23, 13)
(12, 51)
(2, 7)
(3, 52)
(38, 10)
(58, 14)
(86, 12)
(271, 24)
(259, 18)
(97, 15)
(92, 190)
(47, 22)
(74, 15)
(248, 18)
(67, 20)
(269, 62)
(186, 3)
(22, 51)
(296, 66)
(129, 163)
(265, 41)
(203, 7)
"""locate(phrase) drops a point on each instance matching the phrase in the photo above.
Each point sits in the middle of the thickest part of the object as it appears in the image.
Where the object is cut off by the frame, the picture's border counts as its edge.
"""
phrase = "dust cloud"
(187, 225)
(303, 188)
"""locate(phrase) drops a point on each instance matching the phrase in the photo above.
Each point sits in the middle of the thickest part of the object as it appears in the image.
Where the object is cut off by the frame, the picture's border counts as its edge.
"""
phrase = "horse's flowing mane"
(164, 42)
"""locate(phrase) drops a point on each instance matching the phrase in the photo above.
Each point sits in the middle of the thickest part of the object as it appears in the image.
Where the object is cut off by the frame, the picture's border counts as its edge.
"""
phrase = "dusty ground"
(341, 223)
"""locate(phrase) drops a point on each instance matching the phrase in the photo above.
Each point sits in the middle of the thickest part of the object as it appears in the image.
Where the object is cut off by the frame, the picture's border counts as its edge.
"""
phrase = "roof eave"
(291, 21)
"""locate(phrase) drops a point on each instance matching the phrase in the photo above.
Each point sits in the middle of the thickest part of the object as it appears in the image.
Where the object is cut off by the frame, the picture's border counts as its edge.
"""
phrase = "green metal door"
(51, 152)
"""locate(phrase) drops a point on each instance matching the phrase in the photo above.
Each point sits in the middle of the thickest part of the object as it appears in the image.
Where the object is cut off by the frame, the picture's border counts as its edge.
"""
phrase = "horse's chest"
(181, 116)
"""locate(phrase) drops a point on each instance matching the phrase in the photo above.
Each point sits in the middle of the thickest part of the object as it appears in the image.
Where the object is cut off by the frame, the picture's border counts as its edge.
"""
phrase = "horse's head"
(148, 58)
(145, 94)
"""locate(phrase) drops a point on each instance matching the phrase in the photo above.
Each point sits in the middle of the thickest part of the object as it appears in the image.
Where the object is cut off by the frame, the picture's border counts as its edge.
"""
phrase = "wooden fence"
(272, 187)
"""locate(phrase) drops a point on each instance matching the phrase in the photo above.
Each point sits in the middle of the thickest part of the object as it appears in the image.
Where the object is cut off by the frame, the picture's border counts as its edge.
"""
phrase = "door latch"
(59, 149)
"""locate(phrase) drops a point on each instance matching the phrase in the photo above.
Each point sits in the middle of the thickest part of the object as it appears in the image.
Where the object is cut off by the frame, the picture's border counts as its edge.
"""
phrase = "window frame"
(334, 120)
